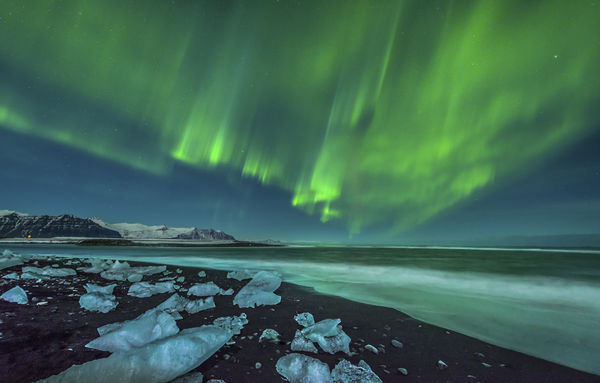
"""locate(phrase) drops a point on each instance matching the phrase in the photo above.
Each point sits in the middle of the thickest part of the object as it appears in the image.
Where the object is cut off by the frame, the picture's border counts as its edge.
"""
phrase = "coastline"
(133, 242)
(42, 339)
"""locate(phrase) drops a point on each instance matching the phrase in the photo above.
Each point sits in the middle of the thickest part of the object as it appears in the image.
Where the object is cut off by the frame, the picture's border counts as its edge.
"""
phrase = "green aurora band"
(366, 111)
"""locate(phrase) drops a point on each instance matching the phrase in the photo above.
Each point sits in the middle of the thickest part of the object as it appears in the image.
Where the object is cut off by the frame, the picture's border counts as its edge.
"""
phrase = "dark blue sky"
(306, 121)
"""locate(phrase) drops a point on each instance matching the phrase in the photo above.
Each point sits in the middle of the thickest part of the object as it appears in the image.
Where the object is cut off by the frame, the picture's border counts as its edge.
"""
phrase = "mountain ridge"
(15, 224)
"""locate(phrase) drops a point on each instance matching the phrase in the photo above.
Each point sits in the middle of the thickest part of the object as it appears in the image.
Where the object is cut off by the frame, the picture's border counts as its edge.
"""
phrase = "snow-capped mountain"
(140, 231)
(15, 224)
(7, 212)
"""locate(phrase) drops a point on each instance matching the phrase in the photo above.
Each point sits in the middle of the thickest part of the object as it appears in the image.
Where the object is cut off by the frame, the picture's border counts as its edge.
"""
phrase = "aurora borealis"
(361, 113)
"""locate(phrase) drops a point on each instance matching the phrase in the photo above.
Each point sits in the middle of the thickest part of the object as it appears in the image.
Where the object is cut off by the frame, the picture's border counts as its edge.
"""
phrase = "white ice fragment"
(204, 289)
(145, 289)
(328, 335)
(179, 303)
(269, 335)
(16, 295)
(145, 329)
(259, 291)
(12, 275)
(97, 301)
(193, 377)
(135, 277)
(49, 271)
(298, 368)
(241, 275)
(232, 324)
(178, 271)
(226, 292)
(301, 343)
(121, 274)
(202, 274)
(175, 302)
(91, 288)
(98, 266)
(121, 265)
(346, 372)
(304, 319)
(158, 362)
(32, 275)
(216, 381)
(9, 260)
(180, 279)
(194, 306)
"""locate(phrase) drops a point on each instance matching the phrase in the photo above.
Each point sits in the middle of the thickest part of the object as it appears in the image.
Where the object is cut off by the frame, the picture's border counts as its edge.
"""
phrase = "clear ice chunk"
(49, 271)
(232, 324)
(259, 291)
(145, 329)
(91, 288)
(328, 335)
(32, 275)
(121, 274)
(241, 275)
(13, 275)
(298, 368)
(346, 372)
(204, 289)
(121, 265)
(269, 335)
(158, 362)
(301, 343)
(194, 306)
(97, 301)
(16, 295)
(9, 259)
(179, 303)
(135, 277)
(305, 319)
(145, 289)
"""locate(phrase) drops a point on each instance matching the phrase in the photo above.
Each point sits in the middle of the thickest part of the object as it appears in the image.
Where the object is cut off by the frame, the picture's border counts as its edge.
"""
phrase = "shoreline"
(51, 336)
(139, 242)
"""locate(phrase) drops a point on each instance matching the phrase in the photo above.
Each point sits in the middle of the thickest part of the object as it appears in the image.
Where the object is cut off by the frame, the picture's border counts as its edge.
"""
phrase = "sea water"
(541, 302)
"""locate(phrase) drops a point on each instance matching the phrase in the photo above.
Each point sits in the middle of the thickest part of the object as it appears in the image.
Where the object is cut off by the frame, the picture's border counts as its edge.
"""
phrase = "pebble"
(441, 365)
(372, 349)
(403, 371)
(484, 364)
(395, 343)
(257, 365)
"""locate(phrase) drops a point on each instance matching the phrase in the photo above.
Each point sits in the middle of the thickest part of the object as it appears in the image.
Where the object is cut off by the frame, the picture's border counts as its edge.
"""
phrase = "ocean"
(541, 302)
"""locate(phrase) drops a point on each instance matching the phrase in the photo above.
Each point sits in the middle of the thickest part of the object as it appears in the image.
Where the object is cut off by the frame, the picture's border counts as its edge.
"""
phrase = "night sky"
(417, 122)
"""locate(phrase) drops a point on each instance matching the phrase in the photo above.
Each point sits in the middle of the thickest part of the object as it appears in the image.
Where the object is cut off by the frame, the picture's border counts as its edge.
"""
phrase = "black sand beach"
(47, 335)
